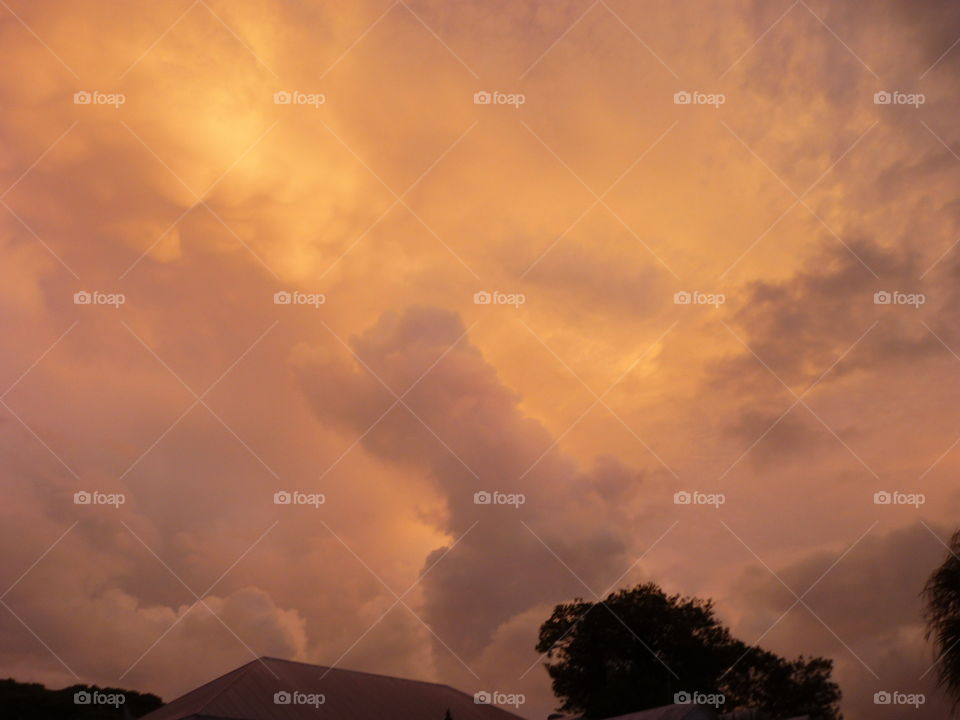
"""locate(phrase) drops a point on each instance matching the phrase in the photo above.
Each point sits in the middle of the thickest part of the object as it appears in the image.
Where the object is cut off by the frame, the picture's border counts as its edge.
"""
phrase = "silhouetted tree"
(942, 613)
(639, 647)
(30, 701)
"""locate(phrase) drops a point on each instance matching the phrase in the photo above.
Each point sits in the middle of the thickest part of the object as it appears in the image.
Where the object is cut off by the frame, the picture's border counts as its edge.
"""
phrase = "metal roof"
(248, 693)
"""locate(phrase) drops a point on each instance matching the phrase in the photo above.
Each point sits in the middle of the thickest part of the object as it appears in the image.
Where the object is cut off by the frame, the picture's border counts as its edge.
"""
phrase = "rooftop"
(264, 687)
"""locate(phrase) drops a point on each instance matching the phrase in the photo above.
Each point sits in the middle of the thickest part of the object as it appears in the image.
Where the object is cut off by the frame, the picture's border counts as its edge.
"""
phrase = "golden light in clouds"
(780, 209)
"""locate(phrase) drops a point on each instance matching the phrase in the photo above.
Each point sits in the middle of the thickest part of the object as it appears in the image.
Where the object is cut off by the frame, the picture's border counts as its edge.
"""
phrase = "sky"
(690, 250)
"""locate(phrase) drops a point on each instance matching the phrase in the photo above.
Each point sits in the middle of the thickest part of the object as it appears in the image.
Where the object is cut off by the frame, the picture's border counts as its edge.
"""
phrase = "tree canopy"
(23, 701)
(639, 648)
(942, 611)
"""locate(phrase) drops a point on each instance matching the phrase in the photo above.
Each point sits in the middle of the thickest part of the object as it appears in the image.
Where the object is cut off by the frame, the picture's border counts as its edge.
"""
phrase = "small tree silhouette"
(942, 610)
(640, 648)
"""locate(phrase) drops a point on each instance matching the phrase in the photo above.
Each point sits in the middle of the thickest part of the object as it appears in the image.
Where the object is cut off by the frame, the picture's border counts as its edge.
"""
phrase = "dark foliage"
(639, 647)
(942, 611)
(32, 701)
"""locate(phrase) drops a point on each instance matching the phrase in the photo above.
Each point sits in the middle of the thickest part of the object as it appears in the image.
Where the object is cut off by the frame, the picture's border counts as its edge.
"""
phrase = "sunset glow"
(364, 333)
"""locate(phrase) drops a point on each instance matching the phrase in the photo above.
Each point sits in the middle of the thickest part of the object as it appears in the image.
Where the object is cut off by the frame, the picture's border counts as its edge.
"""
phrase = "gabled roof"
(247, 693)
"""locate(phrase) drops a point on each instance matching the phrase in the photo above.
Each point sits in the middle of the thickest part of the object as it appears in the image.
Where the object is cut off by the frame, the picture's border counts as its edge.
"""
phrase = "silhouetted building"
(272, 689)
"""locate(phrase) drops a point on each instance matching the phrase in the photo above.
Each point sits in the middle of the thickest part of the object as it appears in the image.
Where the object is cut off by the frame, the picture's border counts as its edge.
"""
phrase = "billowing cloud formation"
(458, 424)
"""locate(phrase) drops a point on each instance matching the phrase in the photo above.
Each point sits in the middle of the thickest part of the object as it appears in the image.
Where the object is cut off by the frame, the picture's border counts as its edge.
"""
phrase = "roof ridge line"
(363, 672)
(240, 671)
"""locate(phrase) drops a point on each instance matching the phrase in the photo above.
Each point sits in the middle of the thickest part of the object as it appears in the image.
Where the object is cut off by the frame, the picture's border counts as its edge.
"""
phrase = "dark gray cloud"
(472, 438)
(869, 602)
